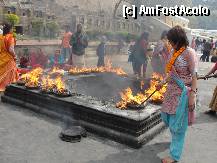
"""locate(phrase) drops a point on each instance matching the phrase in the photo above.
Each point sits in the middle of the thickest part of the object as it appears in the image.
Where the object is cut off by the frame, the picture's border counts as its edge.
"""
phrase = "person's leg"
(178, 138)
(176, 145)
(203, 56)
(64, 53)
(100, 61)
(134, 67)
(213, 104)
(139, 69)
(207, 56)
(144, 67)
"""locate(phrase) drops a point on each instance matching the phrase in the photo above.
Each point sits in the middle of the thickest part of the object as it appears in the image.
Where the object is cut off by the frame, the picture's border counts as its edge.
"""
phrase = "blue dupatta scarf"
(181, 116)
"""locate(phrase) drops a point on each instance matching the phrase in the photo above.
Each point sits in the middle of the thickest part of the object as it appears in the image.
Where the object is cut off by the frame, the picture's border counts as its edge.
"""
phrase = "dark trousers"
(140, 68)
(206, 56)
(101, 62)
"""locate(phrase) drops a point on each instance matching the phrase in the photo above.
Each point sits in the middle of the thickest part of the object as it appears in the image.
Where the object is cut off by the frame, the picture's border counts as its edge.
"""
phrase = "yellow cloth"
(8, 70)
(213, 103)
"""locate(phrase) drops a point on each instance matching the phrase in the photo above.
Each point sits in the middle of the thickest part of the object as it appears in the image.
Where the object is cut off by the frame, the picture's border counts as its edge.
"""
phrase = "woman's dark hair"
(6, 28)
(163, 35)
(177, 36)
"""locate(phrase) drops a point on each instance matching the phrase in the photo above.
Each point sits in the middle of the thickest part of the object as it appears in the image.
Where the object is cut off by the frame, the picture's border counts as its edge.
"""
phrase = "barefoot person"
(181, 82)
(213, 103)
(8, 69)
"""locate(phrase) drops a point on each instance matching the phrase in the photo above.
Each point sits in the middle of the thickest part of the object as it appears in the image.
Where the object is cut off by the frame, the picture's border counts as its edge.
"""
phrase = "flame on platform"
(107, 68)
(32, 78)
(47, 84)
(127, 97)
(60, 85)
(56, 71)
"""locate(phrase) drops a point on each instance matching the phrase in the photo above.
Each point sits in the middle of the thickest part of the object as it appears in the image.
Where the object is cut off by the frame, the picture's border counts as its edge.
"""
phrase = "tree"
(116, 7)
(37, 26)
(12, 19)
(52, 27)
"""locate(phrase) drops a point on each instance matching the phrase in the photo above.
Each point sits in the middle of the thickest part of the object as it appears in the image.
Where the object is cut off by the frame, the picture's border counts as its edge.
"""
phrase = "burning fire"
(32, 78)
(60, 85)
(56, 85)
(107, 68)
(47, 84)
(127, 97)
(53, 82)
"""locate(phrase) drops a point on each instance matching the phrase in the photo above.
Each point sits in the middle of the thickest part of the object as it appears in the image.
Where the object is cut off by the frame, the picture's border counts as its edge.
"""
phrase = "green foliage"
(37, 26)
(12, 19)
(53, 28)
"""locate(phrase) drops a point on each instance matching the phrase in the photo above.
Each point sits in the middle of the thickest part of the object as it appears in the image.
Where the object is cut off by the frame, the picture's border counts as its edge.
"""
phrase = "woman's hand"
(191, 101)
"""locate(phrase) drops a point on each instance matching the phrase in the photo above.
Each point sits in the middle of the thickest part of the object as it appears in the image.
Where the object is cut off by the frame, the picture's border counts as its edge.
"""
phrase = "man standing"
(66, 48)
(101, 49)
(79, 43)
(206, 50)
(197, 43)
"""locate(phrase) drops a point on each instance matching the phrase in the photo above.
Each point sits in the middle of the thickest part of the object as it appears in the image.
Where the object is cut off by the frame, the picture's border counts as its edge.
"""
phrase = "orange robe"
(8, 69)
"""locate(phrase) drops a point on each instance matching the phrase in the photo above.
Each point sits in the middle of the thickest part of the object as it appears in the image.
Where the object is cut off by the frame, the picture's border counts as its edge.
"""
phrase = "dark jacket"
(79, 42)
(140, 51)
(207, 47)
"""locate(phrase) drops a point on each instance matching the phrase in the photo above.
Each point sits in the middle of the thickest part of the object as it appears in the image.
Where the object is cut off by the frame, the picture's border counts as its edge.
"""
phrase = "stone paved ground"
(28, 138)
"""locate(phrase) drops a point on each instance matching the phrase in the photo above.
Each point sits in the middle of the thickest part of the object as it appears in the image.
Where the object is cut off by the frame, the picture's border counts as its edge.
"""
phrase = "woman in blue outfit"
(179, 101)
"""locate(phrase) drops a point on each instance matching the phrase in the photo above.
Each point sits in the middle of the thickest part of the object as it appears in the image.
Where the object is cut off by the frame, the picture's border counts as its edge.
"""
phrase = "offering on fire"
(56, 72)
(50, 83)
(47, 84)
(32, 79)
(129, 100)
(60, 88)
(31, 76)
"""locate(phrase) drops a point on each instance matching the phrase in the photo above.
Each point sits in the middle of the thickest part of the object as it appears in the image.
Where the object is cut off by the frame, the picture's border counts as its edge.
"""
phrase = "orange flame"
(60, 85)
(47, 84)
(32, 78)
(107, 68)
(56, 71)
(127, 97)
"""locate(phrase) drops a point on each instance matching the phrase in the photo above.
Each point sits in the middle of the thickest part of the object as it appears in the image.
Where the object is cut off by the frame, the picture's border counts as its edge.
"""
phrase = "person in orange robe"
(8, 69)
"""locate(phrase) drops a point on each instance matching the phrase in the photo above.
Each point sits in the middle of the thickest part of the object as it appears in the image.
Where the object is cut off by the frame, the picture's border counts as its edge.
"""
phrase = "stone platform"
(130, 127)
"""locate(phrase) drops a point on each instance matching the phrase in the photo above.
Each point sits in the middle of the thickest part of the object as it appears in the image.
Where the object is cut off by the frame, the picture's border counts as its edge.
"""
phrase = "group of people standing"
(74, 45)
(71, 53)
(208, 47)
(139, 54)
